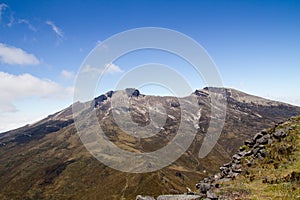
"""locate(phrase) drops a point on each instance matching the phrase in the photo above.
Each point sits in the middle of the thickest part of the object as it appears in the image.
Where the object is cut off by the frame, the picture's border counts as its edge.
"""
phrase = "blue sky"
(255, 45)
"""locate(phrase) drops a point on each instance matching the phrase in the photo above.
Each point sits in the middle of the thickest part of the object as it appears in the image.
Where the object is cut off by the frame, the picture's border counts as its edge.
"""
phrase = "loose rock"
(139, 197)
(280, 134)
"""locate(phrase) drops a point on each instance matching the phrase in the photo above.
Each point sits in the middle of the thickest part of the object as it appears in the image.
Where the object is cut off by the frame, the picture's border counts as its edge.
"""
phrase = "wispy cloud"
(67, 74)
(12, 20)
(26, 22)
(16, 56)
(3, 6)
(110, 68)
(57, 30)
(17, 87)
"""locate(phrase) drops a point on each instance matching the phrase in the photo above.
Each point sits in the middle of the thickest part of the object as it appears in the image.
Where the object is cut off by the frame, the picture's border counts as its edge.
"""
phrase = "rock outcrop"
(132, 92)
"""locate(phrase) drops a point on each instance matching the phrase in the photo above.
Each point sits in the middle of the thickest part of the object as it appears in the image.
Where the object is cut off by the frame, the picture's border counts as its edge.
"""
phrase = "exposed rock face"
(201, 93)
(109, 94)
(132, 92)
(175, 104)
(99, 99)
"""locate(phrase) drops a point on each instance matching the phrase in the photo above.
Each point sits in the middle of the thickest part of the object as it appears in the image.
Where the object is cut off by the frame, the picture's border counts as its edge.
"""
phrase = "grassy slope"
(275, 177)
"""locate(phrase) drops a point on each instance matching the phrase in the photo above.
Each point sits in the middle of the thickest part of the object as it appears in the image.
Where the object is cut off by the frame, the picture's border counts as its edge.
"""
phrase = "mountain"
(47, 160)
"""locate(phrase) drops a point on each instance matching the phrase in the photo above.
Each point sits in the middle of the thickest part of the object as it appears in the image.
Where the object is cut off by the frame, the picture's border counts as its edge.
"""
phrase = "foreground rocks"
(252, 149)
(171, 197)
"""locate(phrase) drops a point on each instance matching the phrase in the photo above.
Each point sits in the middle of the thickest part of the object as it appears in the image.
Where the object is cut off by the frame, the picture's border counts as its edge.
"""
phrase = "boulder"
(175, 104)
(249, 143)
(279, 134)
(139, 197)
(189, 191)
(257, 136)
(236, 161)
(217, 176)
(263, 153)
(232, 175)
(248, 153)
(211, 195)
(206, 180)
(179, 197)
(203, 187)
(264, 132)
(224, 169)
(227, 164)
(264, 139)
(236, 168)
(236, 157)
(242, 153)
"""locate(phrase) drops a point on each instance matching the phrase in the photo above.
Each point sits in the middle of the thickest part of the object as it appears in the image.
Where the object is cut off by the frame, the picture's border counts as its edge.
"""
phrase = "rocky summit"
(47, 160)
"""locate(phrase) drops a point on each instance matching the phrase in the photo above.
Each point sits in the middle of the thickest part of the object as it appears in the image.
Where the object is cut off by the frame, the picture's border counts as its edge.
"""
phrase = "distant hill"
(47, 160)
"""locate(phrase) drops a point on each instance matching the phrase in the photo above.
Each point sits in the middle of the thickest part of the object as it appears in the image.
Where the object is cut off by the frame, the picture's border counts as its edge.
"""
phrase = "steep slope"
(47, 160)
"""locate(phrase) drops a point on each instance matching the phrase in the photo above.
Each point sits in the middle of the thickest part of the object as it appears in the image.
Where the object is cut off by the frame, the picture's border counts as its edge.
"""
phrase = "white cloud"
(16, 56)
(17, 87)
(57, 30)
(90, 69)
(67, 74)
(3, 6)
(110, 68)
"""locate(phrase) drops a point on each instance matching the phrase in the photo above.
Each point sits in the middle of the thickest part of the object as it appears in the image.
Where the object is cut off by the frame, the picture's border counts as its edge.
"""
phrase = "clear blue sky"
(255, 45)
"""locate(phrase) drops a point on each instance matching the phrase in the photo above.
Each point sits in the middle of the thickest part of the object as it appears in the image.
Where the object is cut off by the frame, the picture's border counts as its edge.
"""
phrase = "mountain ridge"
(47, 160)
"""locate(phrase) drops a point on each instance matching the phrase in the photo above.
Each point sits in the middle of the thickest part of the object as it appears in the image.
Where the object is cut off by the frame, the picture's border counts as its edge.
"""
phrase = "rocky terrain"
(47, 160)
(266, 167)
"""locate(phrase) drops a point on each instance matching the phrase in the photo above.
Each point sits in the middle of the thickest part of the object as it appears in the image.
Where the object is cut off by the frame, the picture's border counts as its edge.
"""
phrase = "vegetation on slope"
(277, 176)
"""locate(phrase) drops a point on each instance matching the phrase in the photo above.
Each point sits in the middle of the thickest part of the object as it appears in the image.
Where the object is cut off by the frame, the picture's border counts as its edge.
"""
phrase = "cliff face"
(47, 160)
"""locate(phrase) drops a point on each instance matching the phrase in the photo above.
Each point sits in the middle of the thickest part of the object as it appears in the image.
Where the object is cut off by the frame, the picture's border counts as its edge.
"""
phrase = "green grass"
(268, 178)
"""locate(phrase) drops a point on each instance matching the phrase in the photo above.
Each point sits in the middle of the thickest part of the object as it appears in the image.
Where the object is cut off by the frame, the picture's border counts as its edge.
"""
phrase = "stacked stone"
(254, 148)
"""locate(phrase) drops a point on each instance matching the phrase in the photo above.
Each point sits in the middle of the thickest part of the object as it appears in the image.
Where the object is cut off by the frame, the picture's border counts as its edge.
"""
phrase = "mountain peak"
(49, 154)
